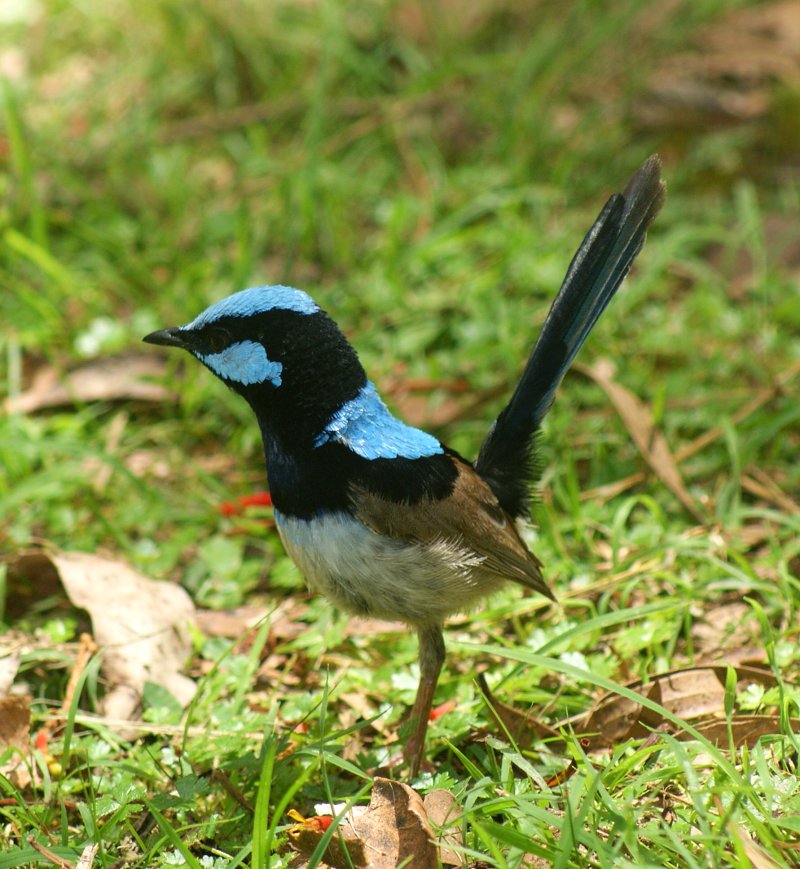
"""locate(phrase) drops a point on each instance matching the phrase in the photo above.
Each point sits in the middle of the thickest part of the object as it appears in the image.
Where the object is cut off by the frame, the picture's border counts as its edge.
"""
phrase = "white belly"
(370, 574)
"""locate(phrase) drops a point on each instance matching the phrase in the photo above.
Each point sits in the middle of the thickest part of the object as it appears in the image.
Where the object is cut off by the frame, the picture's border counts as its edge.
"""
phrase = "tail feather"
(594, 275)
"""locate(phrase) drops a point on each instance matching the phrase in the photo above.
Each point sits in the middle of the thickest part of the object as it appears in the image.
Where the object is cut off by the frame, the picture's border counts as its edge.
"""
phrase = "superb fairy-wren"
(381, 517)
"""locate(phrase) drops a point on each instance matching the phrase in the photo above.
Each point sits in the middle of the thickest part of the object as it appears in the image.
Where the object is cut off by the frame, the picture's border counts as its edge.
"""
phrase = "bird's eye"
(218, 340)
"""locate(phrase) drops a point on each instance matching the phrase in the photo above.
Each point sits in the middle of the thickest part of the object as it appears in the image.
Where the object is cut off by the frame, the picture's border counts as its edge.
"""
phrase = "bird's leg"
(431, 658)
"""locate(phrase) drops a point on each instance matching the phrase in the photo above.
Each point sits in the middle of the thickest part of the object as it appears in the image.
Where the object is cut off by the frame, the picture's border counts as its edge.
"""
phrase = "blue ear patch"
(366, 426)
(256, 300)
(244, 362)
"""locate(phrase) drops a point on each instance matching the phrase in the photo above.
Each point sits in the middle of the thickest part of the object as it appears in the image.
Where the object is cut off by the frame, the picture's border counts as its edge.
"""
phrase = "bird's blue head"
(276, 347)
(233, 338)
(279, 350)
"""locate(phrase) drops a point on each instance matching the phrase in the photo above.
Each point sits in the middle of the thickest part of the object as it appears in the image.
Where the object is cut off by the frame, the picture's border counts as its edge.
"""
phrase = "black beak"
(173, 337)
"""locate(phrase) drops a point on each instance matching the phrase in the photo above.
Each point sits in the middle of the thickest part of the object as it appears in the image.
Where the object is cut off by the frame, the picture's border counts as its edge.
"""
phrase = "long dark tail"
(506, 459)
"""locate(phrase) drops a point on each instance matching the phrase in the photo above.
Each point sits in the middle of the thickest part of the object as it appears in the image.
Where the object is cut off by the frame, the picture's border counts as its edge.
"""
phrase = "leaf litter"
(107, 379)
(397, 828)
(141, 626)
(695, 694)
(648, 438)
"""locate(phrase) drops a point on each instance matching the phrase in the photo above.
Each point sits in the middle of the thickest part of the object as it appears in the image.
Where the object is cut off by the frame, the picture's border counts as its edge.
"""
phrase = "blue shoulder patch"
(256, 300)
(244, 362)
(366, 426)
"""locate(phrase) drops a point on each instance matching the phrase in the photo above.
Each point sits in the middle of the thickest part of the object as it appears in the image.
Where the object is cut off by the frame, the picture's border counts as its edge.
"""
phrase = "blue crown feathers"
(256, 300)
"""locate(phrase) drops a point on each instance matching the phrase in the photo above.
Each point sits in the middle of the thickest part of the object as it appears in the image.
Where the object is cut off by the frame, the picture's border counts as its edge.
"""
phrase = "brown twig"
(49, 855)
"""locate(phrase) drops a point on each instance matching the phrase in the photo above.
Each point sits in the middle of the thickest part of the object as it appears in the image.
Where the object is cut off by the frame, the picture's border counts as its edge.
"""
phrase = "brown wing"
(470, 518)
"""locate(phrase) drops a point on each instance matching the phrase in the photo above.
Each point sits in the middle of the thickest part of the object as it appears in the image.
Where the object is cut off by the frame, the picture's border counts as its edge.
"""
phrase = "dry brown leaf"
(690, 693)
(396, 827)
(15, 721)
(15, 727)
(758, 857)
(412, 397)
(750, 536)
(444, 814)
(391, 831)
(358, 626)
(728, 626)
(343, 850)
(108, 379)
(615, 718)
(357, 705)
(766, 395)
(647, 437)
(141, 625)
(230, 623)
(694, 692)
(746, 729)
(9, 664)
(731, 73)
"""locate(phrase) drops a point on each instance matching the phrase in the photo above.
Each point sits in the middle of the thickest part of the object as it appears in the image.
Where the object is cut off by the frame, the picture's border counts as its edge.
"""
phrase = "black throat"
(322, 372)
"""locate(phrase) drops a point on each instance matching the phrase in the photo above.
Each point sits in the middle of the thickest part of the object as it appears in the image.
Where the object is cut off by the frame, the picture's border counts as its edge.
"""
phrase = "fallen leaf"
(616, 718)
(359, 626)
(357, 704)
(107, 379)
(344, 849)
(731, 72)
(444, 815)
(690, 693)
(152, 463)
(758, 857)
(15, 731)
(563, 775)
(775, 389)
(413, 19)
(396, 827)
(230, 623)
(649, 440)
(745, 729)
(392, 831)
(693, 692)
(750, 536)
(723, 627)
(141, 626)
(431, 403)
(9, 664)
(15, 721)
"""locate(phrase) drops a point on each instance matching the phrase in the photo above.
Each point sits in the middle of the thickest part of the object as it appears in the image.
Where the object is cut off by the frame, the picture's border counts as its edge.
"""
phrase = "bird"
(381, 517)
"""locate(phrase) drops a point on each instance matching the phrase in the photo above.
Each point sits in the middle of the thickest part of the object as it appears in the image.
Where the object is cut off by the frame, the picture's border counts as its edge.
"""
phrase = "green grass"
(426, 177)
